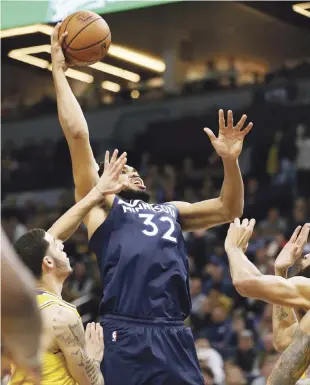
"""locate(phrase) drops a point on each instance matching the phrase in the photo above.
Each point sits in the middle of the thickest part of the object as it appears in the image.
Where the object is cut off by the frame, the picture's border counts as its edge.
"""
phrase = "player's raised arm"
(229, 204)
(248, 280)
(295, 360)
(284, 319)
(73, 122)
(108, 183)
(83, 362)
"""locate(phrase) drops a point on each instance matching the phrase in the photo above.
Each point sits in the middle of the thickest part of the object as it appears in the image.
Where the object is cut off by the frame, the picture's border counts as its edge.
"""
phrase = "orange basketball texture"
(88, 39)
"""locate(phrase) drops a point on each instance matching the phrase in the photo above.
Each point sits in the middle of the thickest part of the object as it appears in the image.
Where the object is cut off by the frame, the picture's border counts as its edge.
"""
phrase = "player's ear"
(47, 262)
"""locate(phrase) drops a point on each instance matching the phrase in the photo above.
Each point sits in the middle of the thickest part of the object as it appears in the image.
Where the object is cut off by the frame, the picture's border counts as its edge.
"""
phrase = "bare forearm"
(284, 322)
(70, 114)
(93, 371)
(293, 362)
(240, 267)
(232, 193)
(68, 223)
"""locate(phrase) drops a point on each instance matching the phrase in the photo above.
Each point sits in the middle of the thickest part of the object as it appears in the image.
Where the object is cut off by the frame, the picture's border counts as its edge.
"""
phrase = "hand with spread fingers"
(109, 181)
(239, 234)
(229, 142)
(292, 251)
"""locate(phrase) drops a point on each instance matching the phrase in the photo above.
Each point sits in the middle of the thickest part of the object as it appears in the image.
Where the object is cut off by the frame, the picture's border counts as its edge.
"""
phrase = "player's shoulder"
(59, 315)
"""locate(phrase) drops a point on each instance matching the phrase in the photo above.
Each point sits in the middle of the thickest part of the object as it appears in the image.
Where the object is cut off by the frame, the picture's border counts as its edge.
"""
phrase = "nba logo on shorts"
(114, 336)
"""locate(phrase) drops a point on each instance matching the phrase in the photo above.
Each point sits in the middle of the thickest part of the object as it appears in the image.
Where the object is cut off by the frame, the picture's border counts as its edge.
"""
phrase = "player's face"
(59, 257)
(304, 266)
(132, 178)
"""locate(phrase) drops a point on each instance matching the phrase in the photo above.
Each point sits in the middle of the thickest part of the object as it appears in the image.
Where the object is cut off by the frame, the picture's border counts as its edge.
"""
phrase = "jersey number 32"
(153, 229)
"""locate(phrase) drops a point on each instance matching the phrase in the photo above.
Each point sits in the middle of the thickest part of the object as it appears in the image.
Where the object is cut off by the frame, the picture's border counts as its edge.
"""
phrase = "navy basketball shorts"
(139, 352)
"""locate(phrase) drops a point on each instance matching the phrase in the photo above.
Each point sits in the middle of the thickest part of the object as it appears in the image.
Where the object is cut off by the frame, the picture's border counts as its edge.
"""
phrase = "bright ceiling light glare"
(32, 60)
(139, 59)
(110, 86)
(116, 71)
(302, 8)
(35, 28)
(24, 55)
(135, 94)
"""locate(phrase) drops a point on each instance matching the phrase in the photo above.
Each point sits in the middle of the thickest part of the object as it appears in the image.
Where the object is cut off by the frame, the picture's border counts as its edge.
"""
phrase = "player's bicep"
(68, 333)
(84, 166)
(293, 292)
(202, 215)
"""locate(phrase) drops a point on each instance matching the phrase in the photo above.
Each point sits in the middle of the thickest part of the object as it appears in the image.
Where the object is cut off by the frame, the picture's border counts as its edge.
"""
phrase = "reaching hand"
(292, 251)
(94, 343)
(109, 181)
(229, 142)
(58, 58)
(238, 235)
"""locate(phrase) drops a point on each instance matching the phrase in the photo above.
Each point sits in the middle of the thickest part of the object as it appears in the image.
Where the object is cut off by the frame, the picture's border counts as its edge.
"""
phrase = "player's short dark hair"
(31, 248)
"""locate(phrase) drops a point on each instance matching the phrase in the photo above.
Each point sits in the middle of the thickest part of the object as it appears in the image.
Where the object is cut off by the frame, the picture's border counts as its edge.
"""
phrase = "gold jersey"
(54, 367)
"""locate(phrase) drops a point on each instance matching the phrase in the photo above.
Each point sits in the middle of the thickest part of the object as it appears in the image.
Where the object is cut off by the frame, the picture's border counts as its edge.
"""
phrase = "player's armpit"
(204, 214)
(293, 292)
(70, 337)
(295, 360)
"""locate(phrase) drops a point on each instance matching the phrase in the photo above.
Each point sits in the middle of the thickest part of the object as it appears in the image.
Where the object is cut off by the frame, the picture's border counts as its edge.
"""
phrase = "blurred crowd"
(233, 334)
(17, 104)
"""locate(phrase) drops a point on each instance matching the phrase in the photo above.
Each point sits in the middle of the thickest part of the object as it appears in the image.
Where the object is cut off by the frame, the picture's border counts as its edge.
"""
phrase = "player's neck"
(51, 285)
(134, 195)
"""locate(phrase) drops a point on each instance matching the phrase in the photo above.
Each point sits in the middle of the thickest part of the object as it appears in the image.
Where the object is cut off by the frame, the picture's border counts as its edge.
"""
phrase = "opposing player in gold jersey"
(73, 357)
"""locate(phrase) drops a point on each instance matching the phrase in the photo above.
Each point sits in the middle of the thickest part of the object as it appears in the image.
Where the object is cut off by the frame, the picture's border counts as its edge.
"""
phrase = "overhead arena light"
(119, 52)
(137, 58)
(35, 28)
(110, 86)
(302, 8)
(116, 71)
(107, 68)
(24, 55)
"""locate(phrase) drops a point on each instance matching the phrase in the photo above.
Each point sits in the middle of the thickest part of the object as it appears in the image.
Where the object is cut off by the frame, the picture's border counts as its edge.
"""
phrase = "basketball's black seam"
(83, 61)
(81, 30)
(90, 46)
(66, 28)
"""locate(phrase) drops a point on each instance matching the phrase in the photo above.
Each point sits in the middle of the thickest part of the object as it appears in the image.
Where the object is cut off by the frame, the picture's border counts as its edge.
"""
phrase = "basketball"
(88, 38)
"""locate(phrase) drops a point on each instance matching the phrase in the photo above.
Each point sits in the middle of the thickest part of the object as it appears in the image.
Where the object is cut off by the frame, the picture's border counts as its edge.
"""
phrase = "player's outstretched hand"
(239, 234)
(109, 182)
(94, 343)
(229, 142)
(58, 58)
(292, 251)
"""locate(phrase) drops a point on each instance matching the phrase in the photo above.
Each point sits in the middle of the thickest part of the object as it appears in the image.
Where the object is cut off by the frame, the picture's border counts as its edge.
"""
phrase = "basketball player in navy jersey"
(141, 252)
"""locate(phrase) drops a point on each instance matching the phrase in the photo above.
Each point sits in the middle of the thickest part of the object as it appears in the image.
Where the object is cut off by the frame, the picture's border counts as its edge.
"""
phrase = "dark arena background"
(171, 66)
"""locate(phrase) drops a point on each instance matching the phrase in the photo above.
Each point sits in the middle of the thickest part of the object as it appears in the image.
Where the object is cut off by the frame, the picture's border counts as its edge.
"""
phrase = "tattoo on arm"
(74, 336)
(281, 313)
(293, 362)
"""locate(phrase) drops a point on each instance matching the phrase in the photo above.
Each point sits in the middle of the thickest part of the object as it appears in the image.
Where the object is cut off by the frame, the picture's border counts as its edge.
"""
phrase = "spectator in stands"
(235, 376)
(210, 358)
(196, 295)
(272, 225)
(79, 283)
(266, 368)
(267, 349)
(246, 353)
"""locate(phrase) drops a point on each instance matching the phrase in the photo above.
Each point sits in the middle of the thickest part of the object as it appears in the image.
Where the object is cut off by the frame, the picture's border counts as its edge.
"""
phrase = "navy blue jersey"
(142, 260)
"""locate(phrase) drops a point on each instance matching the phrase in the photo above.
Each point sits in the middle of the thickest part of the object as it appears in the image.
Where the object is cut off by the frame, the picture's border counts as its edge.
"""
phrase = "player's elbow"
(230, 212)
(280, 344)
(243, 286)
